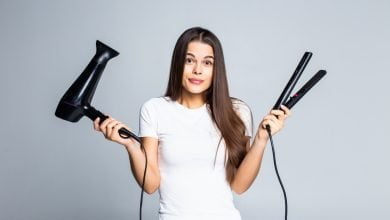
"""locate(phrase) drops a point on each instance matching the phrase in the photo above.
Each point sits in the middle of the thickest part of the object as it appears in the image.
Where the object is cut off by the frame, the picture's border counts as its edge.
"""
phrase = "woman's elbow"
(238, 190)
(151, 190)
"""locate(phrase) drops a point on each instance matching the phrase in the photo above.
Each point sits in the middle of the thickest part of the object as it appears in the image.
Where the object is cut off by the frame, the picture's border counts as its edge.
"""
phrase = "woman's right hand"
(110, 128)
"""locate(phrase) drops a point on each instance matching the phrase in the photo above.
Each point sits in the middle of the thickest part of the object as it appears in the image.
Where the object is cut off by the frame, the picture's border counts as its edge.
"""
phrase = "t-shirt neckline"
(189, 109)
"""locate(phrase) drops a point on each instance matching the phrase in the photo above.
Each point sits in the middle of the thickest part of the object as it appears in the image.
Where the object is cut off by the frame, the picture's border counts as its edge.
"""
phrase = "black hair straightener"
(291, 102)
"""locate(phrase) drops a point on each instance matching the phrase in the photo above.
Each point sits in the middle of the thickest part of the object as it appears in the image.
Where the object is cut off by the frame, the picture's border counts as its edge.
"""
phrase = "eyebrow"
(204, 57)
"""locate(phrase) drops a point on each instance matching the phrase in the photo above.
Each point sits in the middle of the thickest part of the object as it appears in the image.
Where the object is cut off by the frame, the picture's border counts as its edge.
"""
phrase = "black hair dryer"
(76, 102)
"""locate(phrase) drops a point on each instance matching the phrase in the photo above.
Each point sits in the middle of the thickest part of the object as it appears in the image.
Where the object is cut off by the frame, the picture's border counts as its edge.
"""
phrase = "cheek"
(209, 74)
(187, 69)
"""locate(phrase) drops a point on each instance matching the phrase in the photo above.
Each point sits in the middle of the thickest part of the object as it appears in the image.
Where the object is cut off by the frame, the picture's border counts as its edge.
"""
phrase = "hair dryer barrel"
(79, 96)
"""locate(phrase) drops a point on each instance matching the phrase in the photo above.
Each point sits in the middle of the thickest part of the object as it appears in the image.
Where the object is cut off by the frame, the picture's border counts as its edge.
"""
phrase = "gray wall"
(332, 153)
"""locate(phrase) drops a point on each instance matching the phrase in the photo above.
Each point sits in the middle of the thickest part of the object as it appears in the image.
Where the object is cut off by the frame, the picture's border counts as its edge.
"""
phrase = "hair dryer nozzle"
(104, 52)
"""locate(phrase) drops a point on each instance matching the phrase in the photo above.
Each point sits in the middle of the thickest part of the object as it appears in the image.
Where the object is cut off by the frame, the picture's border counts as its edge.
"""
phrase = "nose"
(197, 69)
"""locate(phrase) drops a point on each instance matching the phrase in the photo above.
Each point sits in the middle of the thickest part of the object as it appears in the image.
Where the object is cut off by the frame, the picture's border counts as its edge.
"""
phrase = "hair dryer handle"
(124, 133)
(92, 113)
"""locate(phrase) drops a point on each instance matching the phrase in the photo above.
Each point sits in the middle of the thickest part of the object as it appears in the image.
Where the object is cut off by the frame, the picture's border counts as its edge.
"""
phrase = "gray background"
(332, 153)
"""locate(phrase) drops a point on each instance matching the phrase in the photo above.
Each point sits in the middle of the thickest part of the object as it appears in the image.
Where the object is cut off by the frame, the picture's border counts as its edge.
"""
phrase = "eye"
(189, 60)
(208, 62)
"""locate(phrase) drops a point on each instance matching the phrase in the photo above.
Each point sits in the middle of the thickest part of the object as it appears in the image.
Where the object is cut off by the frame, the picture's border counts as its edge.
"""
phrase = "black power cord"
(277, 172)
(143, 182)
(126, 136)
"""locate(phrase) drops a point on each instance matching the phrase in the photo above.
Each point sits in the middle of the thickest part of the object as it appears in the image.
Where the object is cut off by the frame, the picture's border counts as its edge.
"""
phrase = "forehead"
(200, 49)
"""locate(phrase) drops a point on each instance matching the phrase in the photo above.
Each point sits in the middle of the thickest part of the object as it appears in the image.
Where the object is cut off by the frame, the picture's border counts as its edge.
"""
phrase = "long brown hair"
(217, 96)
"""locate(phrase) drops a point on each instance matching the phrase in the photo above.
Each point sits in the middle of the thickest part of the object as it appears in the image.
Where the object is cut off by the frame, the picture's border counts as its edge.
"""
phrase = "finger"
(116, 128)
(121, 125)
(96, 124)
(265, 123)
(277, 112)
(286, 110)
(103, 125)
(105, 122)
(101, 120)
(280, 115)
(110, 126)
(271, 116)
(279, 119)
(273, 126)
(278, 122)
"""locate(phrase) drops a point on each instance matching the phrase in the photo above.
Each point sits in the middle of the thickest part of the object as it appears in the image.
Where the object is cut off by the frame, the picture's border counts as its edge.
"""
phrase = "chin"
(196, 91)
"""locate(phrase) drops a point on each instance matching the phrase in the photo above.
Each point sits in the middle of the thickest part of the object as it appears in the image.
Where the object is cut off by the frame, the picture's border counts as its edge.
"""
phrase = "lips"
(195, 81)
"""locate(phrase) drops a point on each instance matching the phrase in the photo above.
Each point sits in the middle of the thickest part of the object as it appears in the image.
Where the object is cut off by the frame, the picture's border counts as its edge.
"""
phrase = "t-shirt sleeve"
(147, 121)
(246, 116)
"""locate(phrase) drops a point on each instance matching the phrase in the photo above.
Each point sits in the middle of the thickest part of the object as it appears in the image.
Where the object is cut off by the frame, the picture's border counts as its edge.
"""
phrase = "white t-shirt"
(191, 187)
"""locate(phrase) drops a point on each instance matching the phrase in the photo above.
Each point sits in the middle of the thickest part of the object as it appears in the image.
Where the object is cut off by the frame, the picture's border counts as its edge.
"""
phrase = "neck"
(192, 100)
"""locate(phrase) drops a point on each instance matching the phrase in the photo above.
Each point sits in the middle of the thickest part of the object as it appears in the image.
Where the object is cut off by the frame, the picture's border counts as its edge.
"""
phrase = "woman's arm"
(250, 165)
(137, 163)
(110, 128)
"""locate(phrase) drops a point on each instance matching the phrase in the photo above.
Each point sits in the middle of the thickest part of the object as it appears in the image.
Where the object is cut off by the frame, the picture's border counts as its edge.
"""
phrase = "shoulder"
(243, 110)
(156, 101)
(239, 105)
(156, 104)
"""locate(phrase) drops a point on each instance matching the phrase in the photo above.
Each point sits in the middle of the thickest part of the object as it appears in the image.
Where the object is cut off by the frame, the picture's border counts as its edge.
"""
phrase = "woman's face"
(198, 67)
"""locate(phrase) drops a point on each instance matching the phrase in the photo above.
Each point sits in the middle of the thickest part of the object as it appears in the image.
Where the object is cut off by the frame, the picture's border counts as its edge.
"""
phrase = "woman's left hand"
(275, 119)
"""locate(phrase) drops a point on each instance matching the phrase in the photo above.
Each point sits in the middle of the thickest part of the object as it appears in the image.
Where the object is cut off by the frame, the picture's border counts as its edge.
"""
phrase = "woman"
(197, 138)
